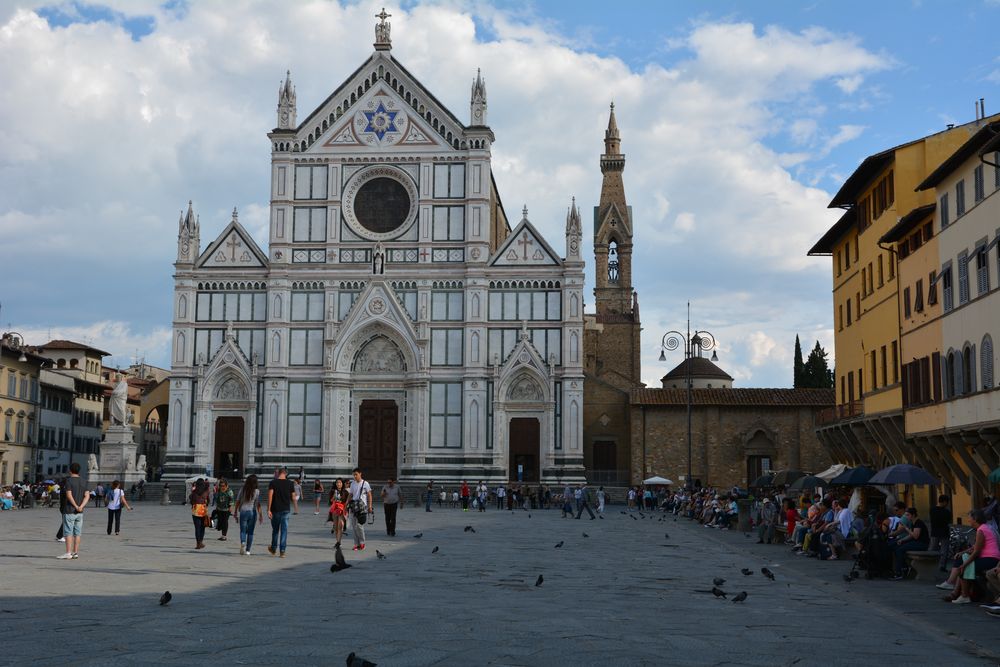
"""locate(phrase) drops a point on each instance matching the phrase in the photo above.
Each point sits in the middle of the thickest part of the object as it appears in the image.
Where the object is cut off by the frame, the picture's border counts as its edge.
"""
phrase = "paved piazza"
(623, 596)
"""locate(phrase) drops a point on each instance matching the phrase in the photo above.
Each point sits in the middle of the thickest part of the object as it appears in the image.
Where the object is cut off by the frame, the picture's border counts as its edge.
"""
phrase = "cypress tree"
(799, 365)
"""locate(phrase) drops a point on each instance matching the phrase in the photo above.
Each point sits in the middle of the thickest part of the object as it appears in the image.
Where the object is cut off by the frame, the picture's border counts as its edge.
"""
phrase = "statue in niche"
(378, 259)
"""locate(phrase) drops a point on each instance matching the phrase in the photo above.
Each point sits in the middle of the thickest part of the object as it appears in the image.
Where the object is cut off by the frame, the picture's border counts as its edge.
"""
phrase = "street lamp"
(700, 341)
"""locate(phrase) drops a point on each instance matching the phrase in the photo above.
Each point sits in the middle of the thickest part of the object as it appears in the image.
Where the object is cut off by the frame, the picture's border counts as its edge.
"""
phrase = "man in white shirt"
(361, 508)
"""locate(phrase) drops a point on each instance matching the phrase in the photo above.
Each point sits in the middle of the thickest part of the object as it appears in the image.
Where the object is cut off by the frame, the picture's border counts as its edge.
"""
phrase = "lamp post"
(699, 341)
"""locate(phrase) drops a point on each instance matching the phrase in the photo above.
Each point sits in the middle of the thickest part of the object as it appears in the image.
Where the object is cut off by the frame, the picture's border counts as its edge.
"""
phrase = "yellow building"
(19, 391)
(867, 423)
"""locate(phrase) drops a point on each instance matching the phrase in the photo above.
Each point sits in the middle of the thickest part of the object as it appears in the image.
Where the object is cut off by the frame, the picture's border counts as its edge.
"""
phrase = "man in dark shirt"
(940, 526)
(280, 496)
(76, 498)
(914, 538)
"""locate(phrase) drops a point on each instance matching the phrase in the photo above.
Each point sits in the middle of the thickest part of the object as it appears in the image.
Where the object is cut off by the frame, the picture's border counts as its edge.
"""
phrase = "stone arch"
(474, 423)
(524, 387)
(176, 424)
(230, 388)
(179, 347)
(346, 352)
(182, 307)
(379, 355)
(474, 347)
(273, 424)
(574, 347)
(475, 305)
(276, 348)
(574, 306)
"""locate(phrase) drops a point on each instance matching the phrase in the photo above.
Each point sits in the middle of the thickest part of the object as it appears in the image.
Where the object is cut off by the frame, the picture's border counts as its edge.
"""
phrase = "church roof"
(819, 398)
(700, 368)
(71, 345)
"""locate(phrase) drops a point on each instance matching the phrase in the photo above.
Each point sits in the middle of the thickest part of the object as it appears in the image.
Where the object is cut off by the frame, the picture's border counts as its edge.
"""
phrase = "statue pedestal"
(117, 459)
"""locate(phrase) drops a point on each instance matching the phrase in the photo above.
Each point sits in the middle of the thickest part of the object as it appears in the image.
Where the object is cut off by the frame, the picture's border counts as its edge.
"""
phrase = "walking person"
(361, 508)
(98, 494)
(567, 501)
(116, 498)
(583, 501)
(601, 498)
(247, 512)
(77, 496)
(768, 518)
(482, 493)
(297, 488)
(501, 492)
(465, 496)
(318, 493)
(391, 501)
(199, 511)
(339, 497)
(280, 498)
(430, 496)
(224, 502)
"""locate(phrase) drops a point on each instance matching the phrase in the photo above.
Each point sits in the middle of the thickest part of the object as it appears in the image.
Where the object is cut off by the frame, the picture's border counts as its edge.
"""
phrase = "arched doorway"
(378, 428)
(229, 432)
(524, 447)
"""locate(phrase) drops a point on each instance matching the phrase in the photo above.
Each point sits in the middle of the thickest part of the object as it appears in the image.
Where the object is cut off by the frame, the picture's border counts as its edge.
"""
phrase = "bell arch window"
(613, 262)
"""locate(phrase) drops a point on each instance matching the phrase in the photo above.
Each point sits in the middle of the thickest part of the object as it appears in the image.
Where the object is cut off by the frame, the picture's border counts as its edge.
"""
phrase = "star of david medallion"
(381, 124)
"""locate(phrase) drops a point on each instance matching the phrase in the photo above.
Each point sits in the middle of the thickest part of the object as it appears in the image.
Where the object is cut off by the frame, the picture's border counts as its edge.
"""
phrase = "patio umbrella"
(192, 480)
(657, 481)
(904, 473)
(807, 482)
(832, 471)
(995, 476)
(764, 480)
(853, 477)
(786, 477)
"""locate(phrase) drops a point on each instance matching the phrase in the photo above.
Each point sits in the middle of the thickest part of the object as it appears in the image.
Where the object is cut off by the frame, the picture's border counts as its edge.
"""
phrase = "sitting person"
(915, 537)
(836, 532)
(811, 543)
(981, 557)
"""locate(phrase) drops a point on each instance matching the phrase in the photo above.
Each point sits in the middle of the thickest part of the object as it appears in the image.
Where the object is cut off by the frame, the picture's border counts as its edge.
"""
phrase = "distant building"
(19, 413)
(55, 426)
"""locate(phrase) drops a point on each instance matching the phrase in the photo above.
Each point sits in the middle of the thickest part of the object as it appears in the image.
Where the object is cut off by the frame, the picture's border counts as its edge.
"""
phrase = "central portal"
(524, 449)
(229, 447)
(377, 439)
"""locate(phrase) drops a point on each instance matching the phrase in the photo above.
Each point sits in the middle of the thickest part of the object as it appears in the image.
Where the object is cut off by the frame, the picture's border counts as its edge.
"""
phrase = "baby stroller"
(875, 557)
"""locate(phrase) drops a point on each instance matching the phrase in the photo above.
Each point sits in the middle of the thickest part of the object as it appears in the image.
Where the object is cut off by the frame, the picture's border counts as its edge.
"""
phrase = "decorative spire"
(573, 223)
(236, 217)
(612, 140)
(382, 28)
(524, 212)
(286, 103)
(478, 100)
(188, 234)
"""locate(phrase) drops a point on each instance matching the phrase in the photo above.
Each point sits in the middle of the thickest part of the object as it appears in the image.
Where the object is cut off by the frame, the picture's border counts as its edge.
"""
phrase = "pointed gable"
(525, 247)
(234, 248)
(380, 105)
(376, 311)
(609, 219)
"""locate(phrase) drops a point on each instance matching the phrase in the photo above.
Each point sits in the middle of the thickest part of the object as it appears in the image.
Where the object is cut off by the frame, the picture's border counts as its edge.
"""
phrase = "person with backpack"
(116, 498)
(361, 508)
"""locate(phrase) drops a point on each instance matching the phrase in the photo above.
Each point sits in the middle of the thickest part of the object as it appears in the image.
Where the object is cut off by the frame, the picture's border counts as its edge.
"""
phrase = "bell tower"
(613, 231)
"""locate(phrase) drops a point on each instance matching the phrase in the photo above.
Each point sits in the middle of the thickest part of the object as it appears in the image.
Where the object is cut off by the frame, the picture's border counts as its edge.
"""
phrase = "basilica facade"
(397, 321)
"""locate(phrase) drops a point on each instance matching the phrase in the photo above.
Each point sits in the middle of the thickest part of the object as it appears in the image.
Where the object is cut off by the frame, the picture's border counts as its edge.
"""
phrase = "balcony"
(839, 412)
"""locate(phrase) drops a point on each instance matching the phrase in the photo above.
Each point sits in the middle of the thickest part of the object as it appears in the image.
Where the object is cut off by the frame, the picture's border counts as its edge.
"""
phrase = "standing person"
(280, 498)
(361, 508)
(391, 501)
(297, 487)
(98, 495)
(77, 496)
(567, 501)
(584, 500)
(466, 493)
(430, 496)
(339, 497)
(482, 493)
(301, 477)
(601, 497)
(318, 492)
(199, 510)
(116, 498)
(247, 512)
(940, 522)
(501, 493)
(768, 517)
(224, 502)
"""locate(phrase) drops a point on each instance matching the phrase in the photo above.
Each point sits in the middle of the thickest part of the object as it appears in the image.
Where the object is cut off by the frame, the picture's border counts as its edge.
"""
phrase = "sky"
(738, 120)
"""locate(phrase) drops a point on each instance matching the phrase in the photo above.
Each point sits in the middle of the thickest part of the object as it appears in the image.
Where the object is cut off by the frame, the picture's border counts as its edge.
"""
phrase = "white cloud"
(849, 84)
(113, 336)
(106, 138)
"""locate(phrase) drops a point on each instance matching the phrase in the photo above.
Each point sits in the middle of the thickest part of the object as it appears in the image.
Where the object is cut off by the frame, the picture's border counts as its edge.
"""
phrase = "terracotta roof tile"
(820, 398)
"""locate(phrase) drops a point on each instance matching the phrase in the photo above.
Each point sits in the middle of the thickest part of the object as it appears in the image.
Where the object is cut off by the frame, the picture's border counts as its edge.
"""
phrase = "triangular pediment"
(525, 246)
(523, 372)
(229, 376)
(375, 312)
(234, 248)
(381, 105)
(613, 222)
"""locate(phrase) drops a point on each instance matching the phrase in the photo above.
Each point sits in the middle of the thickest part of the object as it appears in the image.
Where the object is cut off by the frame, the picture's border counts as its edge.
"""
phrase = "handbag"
(208, 520)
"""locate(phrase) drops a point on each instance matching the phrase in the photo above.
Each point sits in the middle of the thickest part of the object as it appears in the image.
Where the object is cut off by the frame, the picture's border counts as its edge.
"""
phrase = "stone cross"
(233, 243)
(524, 242)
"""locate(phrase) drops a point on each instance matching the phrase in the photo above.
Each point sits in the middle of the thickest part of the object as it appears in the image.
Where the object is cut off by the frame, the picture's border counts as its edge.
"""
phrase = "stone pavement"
(625, 595)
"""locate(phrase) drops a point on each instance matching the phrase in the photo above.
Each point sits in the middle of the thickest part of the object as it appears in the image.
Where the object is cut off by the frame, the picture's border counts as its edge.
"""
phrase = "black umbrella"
(764, 480)
(786, 477)
(807, 482)
(853, 477)
(904, 473)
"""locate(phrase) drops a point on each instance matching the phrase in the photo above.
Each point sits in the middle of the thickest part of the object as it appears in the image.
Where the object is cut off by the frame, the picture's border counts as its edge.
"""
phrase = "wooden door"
(229, 447)
(377, 439)
(524, 449)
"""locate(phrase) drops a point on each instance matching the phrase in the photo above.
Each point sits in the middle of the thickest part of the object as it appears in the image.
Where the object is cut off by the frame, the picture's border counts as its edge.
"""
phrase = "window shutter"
(936, 370)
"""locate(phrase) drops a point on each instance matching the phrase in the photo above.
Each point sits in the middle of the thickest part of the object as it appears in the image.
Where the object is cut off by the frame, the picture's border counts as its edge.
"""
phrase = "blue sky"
(738, 119)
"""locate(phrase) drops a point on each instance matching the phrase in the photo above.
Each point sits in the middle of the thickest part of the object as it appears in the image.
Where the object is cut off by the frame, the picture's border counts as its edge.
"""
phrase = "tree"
(816, 372)
(799, 366)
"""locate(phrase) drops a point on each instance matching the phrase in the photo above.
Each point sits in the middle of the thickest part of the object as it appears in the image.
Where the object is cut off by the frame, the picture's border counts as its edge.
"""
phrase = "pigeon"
(418, 536)
(434, 550)
(718, 581)
(741, 597)
(767, 573)
(381, 556)
(666, 536)
(746, 534)
(357, 661)
(848, 578)
(746, 572)
(539, 580)
(642, 515)
(623, 512)
(338, 561)
(529, 515)
(559, 546)
(719, 593)
(470, 529)
(586, 535)
(165, 599)
(633, 518)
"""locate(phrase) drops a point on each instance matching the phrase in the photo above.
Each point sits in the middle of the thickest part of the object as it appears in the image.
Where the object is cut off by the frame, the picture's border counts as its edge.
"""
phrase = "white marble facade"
(395, 321)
